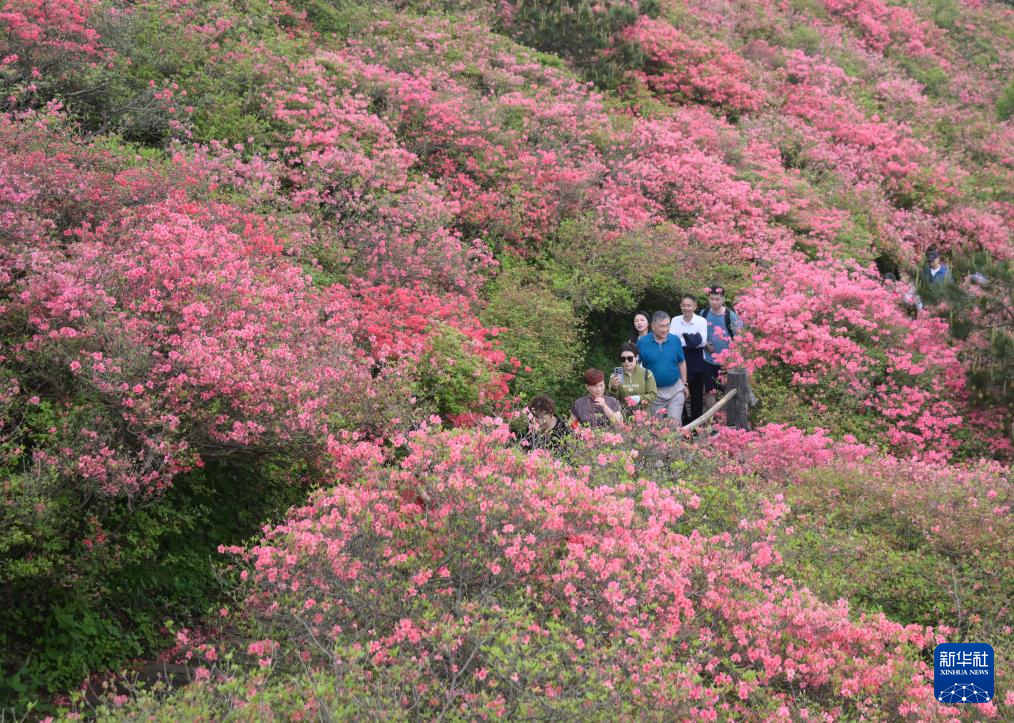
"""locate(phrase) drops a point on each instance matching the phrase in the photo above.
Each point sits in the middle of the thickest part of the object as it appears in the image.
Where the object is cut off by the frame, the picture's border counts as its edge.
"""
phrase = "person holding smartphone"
(633, 384)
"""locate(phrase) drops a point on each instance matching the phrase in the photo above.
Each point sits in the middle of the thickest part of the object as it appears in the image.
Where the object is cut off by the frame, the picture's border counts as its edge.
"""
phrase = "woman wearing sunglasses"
(632, 383)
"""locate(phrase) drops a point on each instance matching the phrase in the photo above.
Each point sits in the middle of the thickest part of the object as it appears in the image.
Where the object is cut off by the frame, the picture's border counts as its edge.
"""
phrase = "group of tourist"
(668, 366)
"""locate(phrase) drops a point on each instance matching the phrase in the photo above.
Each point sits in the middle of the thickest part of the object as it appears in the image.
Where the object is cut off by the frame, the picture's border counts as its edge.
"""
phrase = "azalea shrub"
(244, 251)
(920, 541)
(845, 349)
(146, 334)
(476, 579)
(52, 45)
(680, 67)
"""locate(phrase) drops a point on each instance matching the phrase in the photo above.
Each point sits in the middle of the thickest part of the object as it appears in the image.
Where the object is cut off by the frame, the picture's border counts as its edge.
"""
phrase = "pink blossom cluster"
(189, 324)
(880, 24)
(679, 66)
(403, 569)
(847, 343)
(42, 30)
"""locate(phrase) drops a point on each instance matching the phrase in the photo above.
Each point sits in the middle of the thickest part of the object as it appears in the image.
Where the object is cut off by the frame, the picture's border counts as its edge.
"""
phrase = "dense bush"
(1005, 103)
(590, 34)
(471, 578)
(538, 327)
(82, 593)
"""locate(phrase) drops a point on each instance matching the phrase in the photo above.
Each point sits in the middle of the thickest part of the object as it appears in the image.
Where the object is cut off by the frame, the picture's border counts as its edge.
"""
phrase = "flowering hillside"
(273, 272)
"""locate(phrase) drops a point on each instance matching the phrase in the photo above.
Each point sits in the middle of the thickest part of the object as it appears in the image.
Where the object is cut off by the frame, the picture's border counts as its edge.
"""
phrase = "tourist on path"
(634, 385)
(935, 271)
(692, 331)
(723, 325)
(545, 429)
(662, 354)
(595, 409)
(642, 323)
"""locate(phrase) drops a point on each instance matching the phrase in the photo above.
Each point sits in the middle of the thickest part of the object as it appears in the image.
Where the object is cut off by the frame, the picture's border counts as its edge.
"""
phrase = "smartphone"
(618, 372)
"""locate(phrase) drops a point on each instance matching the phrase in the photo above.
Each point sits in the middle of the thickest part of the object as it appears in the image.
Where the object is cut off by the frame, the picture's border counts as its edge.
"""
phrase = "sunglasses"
(626, 357)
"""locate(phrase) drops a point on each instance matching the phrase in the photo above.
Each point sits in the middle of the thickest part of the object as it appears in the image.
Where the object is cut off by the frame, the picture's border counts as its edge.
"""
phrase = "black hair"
(542, 405)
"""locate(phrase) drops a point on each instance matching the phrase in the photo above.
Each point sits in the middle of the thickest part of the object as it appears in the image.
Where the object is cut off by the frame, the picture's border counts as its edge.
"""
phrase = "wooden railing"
(738, 398)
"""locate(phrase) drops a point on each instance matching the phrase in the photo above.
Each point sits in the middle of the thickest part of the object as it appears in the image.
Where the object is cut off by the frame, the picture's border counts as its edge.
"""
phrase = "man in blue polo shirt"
(662, 354)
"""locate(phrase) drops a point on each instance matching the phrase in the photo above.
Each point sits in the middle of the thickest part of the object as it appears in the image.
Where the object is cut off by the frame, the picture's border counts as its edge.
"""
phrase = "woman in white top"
(692, 331)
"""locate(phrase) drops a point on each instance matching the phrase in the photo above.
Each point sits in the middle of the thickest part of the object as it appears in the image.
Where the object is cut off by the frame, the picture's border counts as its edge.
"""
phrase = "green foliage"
(932, 76)
(780, 401)
(72, 609)
(804, 38)
(1005, 102)
(599, 274)
(542, 331)
(338, 17)
(582, 31)
(865, 569)
(813, 8)
(228, 104)
(946, 13)
(451, 376)
(854, 542)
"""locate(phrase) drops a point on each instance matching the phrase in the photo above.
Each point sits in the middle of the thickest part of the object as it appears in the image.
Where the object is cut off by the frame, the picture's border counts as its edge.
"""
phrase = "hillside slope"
(254, 249)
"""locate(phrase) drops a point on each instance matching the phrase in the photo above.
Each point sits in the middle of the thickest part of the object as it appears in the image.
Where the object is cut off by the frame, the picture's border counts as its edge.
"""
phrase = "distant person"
(935, 271)
(662, 354)
(595, 409)
(545, 429)
(912, 300)
(641, 326)
(634, 384)
(723, 325)
(978, 278)
(692, 331)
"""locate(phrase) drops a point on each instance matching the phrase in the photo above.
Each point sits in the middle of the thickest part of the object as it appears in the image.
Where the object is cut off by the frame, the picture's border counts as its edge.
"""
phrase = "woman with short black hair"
(632, 383)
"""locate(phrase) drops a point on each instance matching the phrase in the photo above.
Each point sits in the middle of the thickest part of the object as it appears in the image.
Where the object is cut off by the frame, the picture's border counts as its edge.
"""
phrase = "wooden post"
(711, 412)
(736, 415)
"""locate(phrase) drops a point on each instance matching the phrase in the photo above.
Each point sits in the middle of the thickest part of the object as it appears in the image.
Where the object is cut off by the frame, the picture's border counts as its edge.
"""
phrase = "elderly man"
(662, 354)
